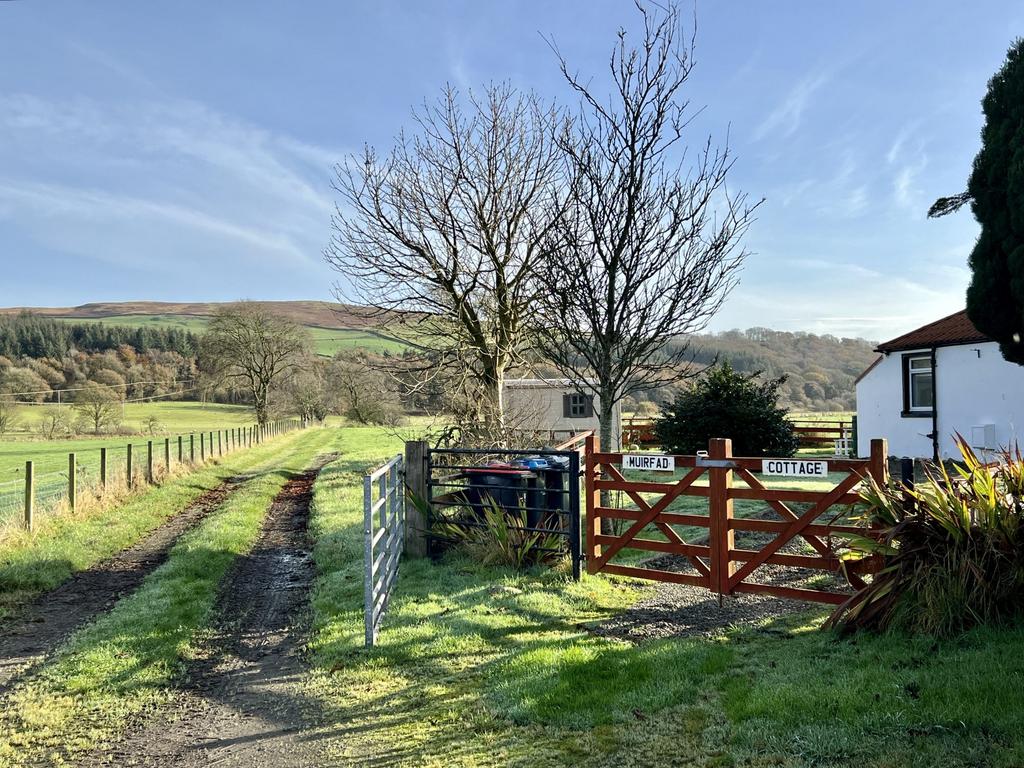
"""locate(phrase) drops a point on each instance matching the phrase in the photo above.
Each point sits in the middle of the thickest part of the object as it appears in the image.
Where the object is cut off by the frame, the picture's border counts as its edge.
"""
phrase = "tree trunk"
(606, 410)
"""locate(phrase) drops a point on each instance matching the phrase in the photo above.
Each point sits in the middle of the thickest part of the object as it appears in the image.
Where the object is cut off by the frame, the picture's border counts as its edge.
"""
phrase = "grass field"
(326, 341)
(50, 457)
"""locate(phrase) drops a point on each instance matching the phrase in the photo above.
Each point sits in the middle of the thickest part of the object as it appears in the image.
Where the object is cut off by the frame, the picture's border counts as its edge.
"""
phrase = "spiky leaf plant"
(951, 548)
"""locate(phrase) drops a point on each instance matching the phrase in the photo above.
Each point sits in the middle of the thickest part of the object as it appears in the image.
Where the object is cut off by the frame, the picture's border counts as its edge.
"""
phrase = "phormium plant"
(952, 551)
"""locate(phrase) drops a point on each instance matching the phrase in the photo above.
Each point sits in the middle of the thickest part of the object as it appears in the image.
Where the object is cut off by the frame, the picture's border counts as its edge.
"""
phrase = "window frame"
(578, 405)
(910, 410)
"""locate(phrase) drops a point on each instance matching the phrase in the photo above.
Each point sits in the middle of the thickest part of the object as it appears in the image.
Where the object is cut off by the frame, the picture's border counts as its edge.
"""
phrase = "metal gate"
(383, 537)
(539, 489)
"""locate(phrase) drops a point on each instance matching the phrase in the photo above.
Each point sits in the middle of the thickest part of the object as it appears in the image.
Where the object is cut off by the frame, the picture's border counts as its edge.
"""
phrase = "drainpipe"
(935, 412)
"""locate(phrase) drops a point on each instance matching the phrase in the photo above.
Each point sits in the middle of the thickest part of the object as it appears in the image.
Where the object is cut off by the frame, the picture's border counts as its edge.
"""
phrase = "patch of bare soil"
(42, 625)
(240, 704)
(680, 610)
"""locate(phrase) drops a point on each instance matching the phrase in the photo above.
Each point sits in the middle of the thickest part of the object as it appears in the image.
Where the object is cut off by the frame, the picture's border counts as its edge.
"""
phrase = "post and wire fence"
(59, 479)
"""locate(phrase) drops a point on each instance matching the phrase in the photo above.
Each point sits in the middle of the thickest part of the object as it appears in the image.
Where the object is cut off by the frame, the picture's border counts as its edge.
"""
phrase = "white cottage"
(555, 405)
(943, 378)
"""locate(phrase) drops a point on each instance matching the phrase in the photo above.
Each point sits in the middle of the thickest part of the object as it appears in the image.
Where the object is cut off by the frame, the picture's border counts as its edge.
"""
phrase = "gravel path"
(239, 704)
(679, 610)
(42, 625)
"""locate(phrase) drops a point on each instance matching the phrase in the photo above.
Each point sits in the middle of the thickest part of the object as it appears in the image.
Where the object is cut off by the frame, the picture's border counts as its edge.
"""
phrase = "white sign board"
(794, 468)
(649, 462)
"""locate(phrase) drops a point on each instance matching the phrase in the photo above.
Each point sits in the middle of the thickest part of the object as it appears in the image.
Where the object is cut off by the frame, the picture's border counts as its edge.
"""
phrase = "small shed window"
(918, 384)
(577, 406)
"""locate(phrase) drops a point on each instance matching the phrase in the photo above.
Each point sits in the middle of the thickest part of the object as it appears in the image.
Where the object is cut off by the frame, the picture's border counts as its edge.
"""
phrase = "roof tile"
(949, 331)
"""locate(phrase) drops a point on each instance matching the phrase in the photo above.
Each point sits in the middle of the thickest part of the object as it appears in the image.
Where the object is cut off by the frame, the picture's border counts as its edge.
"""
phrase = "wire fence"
(27, 494)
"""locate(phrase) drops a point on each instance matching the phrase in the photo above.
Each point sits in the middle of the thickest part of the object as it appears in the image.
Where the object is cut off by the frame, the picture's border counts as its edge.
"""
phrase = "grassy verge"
(124, 662)
(31, 563)
(486, 667)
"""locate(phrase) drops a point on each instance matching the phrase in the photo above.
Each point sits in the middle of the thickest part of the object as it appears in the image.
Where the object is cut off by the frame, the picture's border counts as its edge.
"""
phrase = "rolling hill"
(332, 326)
(820, 369)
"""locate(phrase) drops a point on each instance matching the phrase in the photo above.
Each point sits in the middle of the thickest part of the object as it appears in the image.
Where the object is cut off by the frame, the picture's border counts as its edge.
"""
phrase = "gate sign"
(649, 462)
(794, 468)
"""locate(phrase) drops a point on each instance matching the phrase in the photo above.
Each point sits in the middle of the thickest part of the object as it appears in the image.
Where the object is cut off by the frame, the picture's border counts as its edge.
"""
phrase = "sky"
(183, 150)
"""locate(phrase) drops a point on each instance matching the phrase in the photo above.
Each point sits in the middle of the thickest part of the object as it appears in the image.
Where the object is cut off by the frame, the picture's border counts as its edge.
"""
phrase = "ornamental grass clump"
(501, 537)
(951, 551)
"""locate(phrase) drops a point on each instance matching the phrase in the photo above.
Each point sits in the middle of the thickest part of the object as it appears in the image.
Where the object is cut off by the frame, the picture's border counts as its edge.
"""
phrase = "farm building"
(555, 405)
(938, 380)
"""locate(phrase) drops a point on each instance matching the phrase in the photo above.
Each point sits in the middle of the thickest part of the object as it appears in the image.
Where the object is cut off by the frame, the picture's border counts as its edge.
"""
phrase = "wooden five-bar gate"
(721, 478)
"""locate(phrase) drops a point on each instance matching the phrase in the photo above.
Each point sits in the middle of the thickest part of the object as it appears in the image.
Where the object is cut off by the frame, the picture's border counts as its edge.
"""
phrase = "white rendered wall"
(974, 386)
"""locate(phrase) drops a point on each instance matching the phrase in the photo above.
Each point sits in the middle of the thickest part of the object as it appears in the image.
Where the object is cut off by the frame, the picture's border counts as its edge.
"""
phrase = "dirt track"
(44, 623)
(240, 704)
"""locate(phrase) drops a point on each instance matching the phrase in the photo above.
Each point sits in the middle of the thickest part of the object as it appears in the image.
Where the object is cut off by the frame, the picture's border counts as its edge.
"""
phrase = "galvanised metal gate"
(384, 537)
(538, 489)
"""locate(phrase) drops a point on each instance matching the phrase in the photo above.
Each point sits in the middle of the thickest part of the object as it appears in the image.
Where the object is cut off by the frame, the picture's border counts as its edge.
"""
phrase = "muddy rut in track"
(239, 704)
(41, 626)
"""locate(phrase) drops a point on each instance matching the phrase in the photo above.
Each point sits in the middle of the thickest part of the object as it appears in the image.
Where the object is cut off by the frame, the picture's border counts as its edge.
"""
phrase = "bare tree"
(442, 236)
(248, 342)
(8, 414)
(648, 245)
(98, 406)
(365, 393)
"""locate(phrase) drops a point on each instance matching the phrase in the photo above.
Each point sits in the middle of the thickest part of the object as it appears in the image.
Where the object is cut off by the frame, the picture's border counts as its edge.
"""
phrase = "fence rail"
(135, 463)
(384, 537)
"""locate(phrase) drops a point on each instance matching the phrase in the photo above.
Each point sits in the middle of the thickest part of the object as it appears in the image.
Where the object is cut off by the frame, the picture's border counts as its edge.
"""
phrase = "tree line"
(34, 336)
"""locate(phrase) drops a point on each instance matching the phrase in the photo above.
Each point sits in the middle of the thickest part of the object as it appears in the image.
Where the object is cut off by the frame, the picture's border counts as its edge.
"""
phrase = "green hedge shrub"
(725, 403)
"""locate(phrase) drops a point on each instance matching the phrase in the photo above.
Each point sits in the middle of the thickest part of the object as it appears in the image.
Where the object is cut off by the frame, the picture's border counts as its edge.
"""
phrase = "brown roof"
(947, 332)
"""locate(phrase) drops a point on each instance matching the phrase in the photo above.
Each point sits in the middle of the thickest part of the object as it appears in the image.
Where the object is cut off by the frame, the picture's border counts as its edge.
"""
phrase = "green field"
(50, 457)
(326, 341)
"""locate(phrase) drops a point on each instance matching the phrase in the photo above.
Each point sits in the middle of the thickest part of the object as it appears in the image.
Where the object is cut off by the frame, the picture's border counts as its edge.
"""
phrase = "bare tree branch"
(648, 246)
(442, 237)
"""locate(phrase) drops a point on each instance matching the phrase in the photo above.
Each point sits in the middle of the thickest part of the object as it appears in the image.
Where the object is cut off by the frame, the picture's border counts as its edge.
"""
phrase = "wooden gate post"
(879, 462)
(416, 523)
(593, 550)
(721, 535)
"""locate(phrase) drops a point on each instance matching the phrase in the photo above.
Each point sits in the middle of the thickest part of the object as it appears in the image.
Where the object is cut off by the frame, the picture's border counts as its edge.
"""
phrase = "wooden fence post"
(72, 481)
(720, 508)
(593, 551)
(167, 455)
(30, 495)
(878, 467)
(128, 461)
(103, 468)
(149, 462)
(220, 444)
(181, 450)
(192, 449)
(416, 523)
(202, 446)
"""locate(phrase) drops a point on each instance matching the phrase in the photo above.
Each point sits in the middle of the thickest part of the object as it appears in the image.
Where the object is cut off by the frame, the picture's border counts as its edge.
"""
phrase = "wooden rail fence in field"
(720, 565)
(95, 470)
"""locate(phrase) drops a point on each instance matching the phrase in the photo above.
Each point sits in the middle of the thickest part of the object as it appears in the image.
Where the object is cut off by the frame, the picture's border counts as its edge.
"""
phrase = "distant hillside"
(821, 370)
(319, 314)
(332, 326)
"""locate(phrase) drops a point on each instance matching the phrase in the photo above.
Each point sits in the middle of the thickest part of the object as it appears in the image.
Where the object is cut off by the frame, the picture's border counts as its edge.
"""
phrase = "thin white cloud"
(787, 116)
(49, 201)
(190, 171)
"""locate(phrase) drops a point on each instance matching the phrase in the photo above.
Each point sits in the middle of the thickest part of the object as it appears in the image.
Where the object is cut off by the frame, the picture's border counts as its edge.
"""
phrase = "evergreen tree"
(995, 298)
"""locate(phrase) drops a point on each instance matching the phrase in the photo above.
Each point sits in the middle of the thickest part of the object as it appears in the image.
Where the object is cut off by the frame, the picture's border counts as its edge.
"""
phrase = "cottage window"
(577, 406)
(918, 384)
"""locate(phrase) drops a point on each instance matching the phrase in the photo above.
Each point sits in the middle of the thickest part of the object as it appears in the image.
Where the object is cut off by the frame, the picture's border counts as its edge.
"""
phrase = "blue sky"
(181, 150)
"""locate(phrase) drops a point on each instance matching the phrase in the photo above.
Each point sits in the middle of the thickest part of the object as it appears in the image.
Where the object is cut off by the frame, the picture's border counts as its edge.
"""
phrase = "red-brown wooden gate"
(719, 565)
